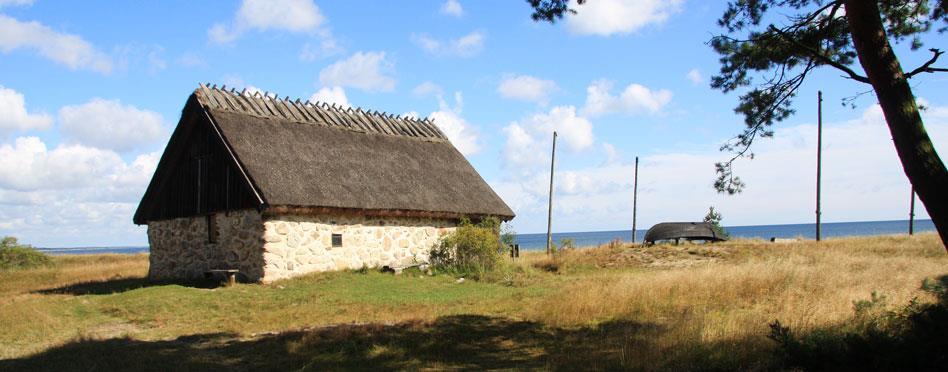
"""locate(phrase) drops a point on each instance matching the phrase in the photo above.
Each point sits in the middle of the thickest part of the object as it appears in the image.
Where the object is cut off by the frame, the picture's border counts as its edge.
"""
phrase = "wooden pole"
(549, 215)
(819, 157)
(635, 194)
(912, 213)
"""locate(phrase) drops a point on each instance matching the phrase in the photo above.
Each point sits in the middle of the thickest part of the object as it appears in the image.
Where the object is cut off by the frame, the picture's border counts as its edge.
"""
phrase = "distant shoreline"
(917, 221)
(593, 238)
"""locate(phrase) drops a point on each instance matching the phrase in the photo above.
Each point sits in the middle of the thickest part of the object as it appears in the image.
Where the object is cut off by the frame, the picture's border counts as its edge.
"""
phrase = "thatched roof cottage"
(277, 188)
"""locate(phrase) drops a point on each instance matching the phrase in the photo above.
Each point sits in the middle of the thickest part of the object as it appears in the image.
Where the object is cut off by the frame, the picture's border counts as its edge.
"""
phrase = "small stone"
(459, 281)
(272, 238)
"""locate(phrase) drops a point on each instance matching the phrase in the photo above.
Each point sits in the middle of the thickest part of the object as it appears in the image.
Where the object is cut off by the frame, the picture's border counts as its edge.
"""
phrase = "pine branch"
(926, 67)
(820, 56)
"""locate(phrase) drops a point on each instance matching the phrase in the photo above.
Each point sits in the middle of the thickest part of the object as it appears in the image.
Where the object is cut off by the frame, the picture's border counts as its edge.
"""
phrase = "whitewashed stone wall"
(278, 247)
(179, 248)
(296, 245)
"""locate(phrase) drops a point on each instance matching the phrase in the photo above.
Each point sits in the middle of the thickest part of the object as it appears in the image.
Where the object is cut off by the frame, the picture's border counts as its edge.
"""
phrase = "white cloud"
(326, 47)
(220, 34)
(466, 46)
(70, 195)
(191, 60)
(695, 76)
(612, 155)
(331, 95)
(862, 181)
(109, 124)
(252, 90)
(527, 88)
(67, 49)
(4, 3)
(297, 16)
(634, 99)
(156, 63)
(14, 116)
(28, 165)
(607, 17)
(427, 88)
(369, 71)
(452, 8)
(461, 133)
(529, 141)
(289, 15)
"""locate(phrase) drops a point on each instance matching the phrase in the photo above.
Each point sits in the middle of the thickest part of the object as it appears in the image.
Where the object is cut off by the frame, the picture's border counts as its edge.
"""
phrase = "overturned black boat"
(683, 230)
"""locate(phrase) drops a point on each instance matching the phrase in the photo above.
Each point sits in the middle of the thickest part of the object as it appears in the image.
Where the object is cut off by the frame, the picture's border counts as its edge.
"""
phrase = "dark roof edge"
(300, 210)
(240, 166)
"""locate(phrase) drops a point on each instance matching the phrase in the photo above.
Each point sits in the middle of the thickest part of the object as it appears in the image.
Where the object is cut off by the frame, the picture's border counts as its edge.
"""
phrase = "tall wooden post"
(819, 156)
(912, 213)
(635, 194)
(549, 215)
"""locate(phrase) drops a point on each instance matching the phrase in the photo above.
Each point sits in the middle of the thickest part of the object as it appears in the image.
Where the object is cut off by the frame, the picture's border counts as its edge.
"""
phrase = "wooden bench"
(230, 274)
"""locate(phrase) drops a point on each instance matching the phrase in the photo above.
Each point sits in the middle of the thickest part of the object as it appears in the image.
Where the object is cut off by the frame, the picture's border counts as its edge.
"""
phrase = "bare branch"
(832, 15)
(926, 67)
(820, 56)
(849, 101)
(834, 4)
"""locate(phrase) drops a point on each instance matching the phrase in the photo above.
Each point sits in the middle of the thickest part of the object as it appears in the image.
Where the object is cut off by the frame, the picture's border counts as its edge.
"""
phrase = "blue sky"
(90, 91)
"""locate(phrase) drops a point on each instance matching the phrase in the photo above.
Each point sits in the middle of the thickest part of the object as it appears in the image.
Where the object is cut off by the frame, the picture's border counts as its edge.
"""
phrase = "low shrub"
(15, 256)
(471, 250)
(714, 218)
(548, 264)
(914, 337)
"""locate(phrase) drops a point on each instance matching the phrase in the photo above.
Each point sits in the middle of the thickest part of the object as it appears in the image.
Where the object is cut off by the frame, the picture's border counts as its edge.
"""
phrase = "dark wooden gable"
(197, 174)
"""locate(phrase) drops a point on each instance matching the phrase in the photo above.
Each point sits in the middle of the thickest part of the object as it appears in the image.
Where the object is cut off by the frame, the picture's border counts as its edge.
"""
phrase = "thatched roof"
(683, 230)
(315, 157)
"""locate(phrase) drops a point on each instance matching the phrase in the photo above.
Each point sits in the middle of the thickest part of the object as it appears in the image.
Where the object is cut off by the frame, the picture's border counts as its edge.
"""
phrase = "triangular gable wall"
(196, 175)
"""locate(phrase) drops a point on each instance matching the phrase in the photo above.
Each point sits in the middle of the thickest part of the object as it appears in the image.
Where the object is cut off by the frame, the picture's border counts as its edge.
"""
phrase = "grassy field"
(687, 307)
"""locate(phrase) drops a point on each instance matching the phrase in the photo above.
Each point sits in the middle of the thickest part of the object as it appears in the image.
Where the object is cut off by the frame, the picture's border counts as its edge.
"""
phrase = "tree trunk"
(919, 159)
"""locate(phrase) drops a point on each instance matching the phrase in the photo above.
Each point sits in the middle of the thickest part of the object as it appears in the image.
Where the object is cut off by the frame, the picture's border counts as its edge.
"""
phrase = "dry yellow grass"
(731, 291)
(71, 270)
(675, 307)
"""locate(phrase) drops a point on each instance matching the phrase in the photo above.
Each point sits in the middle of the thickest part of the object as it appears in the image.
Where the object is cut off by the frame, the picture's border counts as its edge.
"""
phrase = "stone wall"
(179, 248)
(296, 245)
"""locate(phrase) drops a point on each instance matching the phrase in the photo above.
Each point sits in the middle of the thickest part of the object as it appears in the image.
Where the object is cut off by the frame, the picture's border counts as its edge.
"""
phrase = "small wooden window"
(211, 229)
(336, 240)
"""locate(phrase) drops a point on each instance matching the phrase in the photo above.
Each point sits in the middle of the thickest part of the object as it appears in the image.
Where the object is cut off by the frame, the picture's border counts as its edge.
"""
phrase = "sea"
(594, 238)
